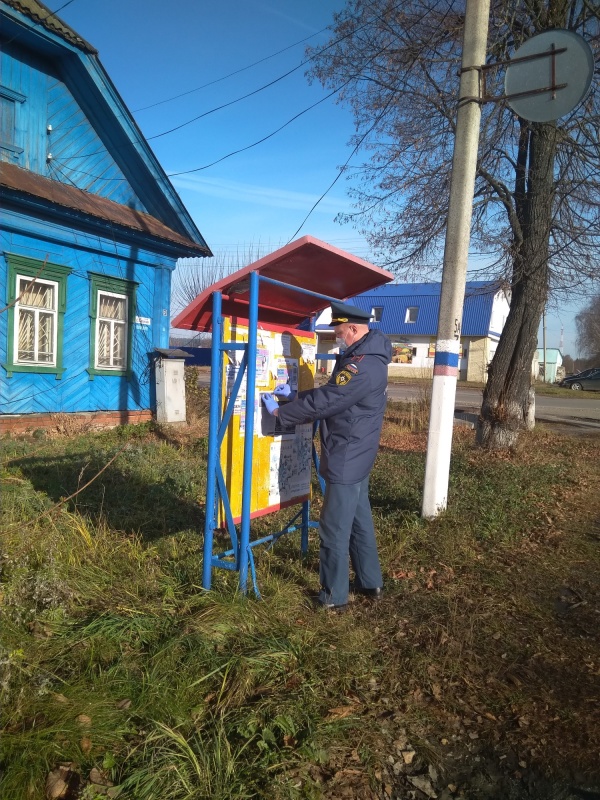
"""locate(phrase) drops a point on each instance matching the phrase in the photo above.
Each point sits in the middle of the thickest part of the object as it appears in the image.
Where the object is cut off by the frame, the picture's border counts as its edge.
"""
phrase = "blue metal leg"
(243, 556)
(305, 526)
(210, 522)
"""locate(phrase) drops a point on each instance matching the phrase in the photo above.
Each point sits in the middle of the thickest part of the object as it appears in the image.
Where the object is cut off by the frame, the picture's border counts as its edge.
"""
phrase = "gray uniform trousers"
(346, 528)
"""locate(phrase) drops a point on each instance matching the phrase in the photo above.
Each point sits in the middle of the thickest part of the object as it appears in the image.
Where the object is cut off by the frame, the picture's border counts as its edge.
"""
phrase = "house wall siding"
(27, 393)
(500, 310)
(78, 155)
(477, 360)
(22, 72)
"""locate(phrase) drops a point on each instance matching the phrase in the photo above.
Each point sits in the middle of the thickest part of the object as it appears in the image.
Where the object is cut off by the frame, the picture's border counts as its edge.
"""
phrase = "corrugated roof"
(41, 14)
(396, 298)
(307, 263)
(24, 182)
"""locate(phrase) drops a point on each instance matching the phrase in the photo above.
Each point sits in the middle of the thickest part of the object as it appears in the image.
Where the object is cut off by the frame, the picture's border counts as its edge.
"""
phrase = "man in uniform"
(351, 407)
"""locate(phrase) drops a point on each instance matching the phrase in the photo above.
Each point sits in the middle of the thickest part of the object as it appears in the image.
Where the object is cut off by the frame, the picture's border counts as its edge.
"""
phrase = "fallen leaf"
(98, 777)
(83, 719)
(85, 744)
(423, 784)
(123, 705)
(340, 712)
(56, 785)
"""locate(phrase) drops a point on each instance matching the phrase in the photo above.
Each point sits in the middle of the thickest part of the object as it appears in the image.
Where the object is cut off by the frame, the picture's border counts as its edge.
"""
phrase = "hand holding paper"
(284, 390)
(270, 404)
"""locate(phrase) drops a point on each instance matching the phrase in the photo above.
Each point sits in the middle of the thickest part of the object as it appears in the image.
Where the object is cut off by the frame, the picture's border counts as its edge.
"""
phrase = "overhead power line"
(264, 138)
(226, 105)
(230, 74)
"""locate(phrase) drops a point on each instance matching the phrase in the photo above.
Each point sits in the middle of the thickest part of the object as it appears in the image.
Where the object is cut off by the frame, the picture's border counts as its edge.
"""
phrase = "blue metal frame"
(239, 557)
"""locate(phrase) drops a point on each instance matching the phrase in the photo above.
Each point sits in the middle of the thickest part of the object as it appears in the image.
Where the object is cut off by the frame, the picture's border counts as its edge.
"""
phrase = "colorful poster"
(402, 352)
(287, 372)
(281, 458)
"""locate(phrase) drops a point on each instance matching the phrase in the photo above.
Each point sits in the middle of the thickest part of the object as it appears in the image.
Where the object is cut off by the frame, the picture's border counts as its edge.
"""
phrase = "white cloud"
(259, 195)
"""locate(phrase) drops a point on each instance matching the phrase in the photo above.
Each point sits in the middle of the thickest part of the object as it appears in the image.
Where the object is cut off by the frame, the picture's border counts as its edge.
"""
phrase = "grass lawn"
(476, 676)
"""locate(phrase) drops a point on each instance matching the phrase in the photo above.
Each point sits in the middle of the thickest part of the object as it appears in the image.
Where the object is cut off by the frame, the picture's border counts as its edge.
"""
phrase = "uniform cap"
(344, 312)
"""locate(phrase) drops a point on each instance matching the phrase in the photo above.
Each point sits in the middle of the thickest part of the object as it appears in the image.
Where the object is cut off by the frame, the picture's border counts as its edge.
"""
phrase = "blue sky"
(254, 201)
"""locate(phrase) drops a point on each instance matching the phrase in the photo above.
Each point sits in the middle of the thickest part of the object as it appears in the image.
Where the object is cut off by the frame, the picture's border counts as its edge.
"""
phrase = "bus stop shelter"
(265, 310)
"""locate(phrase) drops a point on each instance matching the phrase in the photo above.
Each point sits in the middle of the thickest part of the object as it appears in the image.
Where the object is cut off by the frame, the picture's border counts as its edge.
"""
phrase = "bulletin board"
(282, 458)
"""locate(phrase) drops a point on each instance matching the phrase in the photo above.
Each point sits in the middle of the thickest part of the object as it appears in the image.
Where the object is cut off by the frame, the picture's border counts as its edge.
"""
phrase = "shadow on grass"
(128, 502)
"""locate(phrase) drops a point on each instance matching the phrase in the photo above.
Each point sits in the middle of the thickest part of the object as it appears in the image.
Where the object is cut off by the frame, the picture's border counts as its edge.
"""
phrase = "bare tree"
(536, 215)
(588, 330)
(193, 275)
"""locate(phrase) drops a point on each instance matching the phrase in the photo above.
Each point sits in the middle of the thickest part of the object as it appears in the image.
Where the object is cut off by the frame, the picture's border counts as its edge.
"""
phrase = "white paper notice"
(286, 344)
(290, 466)
(308, 353)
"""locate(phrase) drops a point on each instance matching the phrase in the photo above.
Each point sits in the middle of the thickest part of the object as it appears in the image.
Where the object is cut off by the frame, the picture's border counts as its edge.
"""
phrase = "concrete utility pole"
(544, 344)
(456, 252)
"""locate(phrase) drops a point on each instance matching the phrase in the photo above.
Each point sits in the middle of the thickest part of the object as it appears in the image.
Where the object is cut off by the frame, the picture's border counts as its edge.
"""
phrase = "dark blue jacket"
(351, 407)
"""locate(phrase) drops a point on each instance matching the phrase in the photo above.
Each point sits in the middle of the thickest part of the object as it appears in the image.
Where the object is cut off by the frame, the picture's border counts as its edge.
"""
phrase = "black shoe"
(333, 609)
(372, 594)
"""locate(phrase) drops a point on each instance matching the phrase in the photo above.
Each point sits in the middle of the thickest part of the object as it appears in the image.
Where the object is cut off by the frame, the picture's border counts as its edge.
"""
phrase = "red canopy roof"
(307, 263)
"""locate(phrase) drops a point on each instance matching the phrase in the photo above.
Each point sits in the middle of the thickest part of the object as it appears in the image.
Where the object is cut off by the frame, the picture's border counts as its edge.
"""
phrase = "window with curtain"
(36, 317)
(111, 331)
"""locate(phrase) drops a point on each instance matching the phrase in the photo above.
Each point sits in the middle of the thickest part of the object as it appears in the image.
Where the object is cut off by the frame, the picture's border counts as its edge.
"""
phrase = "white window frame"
(376, 313)
(409, 314)
(124, 323)
(36, 311)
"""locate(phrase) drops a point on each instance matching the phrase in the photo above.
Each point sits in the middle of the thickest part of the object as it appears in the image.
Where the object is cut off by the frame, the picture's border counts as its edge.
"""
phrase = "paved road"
(573, 409)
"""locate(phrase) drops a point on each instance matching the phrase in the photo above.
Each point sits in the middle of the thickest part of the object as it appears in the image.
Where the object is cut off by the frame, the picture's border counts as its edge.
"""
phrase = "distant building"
(407, 313)
(91, 232)
(552, 371)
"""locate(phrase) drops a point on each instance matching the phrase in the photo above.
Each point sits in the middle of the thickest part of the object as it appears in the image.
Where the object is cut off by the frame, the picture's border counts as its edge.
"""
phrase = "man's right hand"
(284, 390)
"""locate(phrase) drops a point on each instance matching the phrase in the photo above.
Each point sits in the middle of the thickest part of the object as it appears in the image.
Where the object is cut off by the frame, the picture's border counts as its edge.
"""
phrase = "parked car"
(582, 374)
(589, 379)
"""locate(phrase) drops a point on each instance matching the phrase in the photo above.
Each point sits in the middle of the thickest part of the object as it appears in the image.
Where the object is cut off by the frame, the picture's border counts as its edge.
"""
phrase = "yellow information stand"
(282, 458)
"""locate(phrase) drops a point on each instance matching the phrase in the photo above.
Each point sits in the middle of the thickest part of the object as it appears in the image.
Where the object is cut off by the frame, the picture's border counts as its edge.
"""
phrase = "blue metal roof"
(394, 299)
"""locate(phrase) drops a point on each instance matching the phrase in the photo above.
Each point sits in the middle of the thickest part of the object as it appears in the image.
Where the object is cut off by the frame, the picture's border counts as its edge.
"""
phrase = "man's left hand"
(271, 404)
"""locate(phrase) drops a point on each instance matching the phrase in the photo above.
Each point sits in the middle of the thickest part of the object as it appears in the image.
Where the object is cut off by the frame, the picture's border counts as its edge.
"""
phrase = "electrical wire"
(264, 138)
(229, 75)
(237, 100)
(343, 168)
(41, 21)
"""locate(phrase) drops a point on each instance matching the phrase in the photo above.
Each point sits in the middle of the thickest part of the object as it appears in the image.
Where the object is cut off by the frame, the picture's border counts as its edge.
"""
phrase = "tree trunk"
(506, 398)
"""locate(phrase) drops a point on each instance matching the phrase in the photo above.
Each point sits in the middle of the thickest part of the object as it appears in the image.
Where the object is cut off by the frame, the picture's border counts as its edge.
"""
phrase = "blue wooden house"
(91, 230)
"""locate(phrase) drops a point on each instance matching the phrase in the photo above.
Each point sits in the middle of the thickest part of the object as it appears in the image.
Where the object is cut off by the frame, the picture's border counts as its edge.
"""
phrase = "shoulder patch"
(352, 368)
(343, 377)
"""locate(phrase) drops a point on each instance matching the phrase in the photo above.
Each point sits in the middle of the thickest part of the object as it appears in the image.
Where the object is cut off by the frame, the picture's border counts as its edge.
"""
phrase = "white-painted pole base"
(439, 445)
(456, 252)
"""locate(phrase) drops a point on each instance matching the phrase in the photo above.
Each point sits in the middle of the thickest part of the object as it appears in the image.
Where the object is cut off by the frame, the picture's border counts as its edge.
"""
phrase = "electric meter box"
(170, 390)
